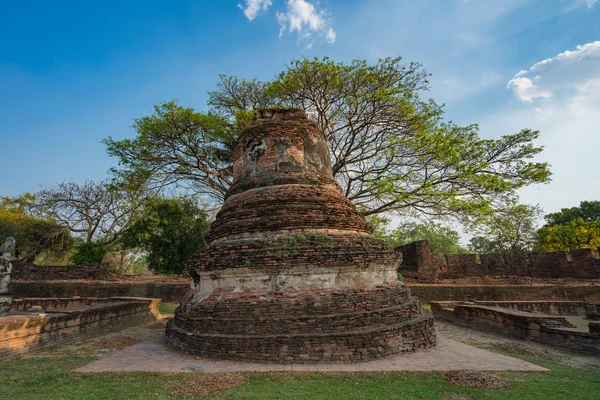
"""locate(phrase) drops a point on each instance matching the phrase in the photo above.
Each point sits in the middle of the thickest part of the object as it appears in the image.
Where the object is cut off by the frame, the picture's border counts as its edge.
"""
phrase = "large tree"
(34, 234)
(510, 230)
(442, 240)
(572, 228)
(391, 150)
(170, 231)
(177, 146)
(94, 212)
(588, 211)
(572, 235)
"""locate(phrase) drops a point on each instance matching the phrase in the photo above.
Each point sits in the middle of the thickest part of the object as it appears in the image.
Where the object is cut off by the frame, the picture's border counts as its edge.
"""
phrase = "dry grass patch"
(201, 384)
(474, 379)
(116, 342)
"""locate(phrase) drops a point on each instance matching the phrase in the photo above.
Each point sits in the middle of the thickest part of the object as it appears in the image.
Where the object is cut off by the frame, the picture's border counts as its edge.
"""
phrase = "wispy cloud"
(560, 97)
(591, 3)
(302, 17)
(251, 8)
(573, 70)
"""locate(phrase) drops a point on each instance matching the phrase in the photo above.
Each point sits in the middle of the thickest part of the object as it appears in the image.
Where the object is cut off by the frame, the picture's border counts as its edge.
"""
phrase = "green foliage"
(170, 231)
(33, 232)
(441, 238)
(391, 150)
(573, 235)
(178, 144)
(291, 246)
(167, 308)
(510, 230)
(588, 211)
(572, 228)
(89, 252)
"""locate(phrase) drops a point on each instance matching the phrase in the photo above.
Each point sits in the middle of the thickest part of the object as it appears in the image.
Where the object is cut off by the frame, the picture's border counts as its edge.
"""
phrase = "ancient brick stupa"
(292, 272)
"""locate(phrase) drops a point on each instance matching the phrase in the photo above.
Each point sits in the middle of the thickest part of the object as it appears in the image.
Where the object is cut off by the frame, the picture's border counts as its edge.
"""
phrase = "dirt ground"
(117, 340)
(106, 344)
(504, 344)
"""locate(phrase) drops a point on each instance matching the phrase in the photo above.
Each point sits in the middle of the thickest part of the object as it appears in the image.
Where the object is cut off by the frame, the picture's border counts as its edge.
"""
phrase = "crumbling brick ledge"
(66, 320)
(552, 330)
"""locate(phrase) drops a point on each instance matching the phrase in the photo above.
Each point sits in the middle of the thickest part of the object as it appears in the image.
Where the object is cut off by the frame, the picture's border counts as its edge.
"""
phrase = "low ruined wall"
(82, 319)
(32, 272)
(168, 292)
(551, 330)
(428, 293)
(174, 292)
(547, 307)
(579, 264)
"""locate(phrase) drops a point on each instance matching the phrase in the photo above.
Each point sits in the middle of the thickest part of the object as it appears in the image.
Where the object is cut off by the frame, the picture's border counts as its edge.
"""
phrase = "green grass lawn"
(52, 378)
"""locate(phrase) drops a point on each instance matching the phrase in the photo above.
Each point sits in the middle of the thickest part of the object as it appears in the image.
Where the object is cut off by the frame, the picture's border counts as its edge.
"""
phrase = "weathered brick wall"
(579, 264)
(26, 332)
(301, 250)
(547, 329)
(168, 292)
(429, 292)
(349, 346)
(32, 272)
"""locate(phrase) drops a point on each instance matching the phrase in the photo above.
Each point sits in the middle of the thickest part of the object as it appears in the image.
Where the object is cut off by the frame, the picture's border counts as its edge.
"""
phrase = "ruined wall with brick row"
(551, 330)
(32, 272)
(303, 312)
(331, 347)
(579, 264)
(278, 253)
(25, 332)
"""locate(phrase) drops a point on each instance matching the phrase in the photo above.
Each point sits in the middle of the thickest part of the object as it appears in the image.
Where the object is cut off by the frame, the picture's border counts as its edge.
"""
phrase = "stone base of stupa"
(303, 307)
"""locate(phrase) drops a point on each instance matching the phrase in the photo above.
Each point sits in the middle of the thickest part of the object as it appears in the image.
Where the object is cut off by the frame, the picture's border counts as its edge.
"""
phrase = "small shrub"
(89, 252)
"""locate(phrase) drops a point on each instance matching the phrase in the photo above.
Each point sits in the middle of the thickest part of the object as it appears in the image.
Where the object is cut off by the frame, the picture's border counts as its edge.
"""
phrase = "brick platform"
(68, 320)
(448, 355)
(292, 272)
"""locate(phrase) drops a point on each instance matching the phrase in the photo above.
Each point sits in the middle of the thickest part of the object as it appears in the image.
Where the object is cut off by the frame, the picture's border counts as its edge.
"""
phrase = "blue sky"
(74, 72)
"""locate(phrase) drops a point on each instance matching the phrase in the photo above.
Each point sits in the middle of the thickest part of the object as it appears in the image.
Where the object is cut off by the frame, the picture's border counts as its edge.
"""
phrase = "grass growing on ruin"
(167, 308)
(53, 378)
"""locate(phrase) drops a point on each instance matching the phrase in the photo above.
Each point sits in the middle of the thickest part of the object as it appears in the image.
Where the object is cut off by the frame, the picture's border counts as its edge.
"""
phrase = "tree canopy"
(510, 230)
(93, 211)
(391, 149)
(588, 211)
(442, 240)
(170, 231)
(34, 234)
(572, 228)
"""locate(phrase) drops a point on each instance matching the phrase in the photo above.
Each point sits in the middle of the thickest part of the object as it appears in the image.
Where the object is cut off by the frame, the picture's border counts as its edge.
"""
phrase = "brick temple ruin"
(292, 272)
(420, 263)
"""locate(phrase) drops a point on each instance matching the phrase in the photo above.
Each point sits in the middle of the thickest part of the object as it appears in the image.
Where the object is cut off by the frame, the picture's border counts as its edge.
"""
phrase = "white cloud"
(300, 16)
(303, 17)
(330, 35)
(571, 71)
(560, 97)
(591, 3)
(253, 7)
